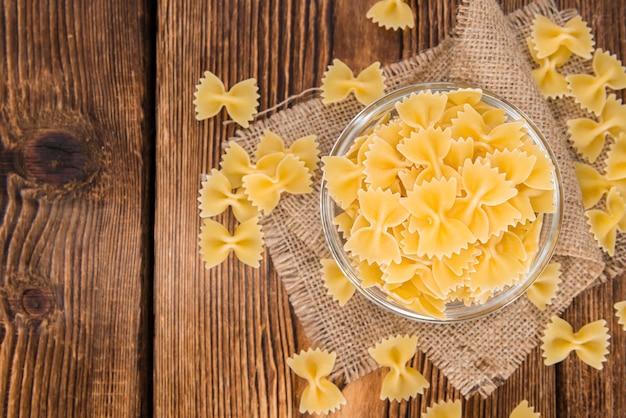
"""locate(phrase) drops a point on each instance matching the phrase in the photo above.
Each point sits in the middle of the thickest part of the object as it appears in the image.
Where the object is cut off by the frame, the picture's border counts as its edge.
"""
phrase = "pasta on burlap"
(487, 50)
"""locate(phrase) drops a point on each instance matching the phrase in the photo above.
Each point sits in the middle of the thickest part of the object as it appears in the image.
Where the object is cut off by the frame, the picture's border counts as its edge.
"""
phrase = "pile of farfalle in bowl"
(443, 202)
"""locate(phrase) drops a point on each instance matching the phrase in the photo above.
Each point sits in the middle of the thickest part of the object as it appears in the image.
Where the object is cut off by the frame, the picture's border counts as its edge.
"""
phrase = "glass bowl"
(455, 311)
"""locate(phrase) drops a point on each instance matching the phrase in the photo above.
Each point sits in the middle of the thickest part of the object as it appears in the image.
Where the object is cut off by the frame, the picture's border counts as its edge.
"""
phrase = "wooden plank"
(222, 335)
(74, 220)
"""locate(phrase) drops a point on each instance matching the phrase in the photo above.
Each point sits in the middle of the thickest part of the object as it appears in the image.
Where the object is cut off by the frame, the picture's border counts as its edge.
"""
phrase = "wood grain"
(74, 127)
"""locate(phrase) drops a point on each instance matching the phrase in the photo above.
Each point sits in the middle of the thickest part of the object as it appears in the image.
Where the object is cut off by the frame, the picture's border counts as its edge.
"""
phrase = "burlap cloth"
(487, 49)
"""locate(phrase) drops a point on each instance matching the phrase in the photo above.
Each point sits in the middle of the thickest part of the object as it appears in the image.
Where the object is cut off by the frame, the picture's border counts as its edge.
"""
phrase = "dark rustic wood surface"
(75, 215)
(105, 307)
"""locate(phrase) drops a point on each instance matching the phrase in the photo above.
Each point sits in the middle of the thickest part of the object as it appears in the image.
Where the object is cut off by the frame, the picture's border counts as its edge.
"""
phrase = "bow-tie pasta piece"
(620, 312)
(550, 82)
(305, 148)
(428, 148)
(422, 110)
(449, 409)
(264, 190)
(392, 14)
(382, 164)
(338, 285)
(524, 411)
(590, 90)
(428, 205)
(410, 295)
(605, 223)
(373, 242)
(593, 185)
(588, 136)
(548, 37)
(590, 342)
(216, 195)
(216, 242)
(235, 164)
(241, 101)
(321, 396)
(485, 209)
(616, 160)
(543, 290)
(517, 166)
(402, 382)
(343, 179)
(501, 263)
(370, 274)
(470, 123)
(339, 82)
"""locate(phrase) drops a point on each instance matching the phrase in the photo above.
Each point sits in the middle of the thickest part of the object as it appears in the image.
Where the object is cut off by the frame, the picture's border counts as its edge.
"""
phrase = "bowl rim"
(501, 299)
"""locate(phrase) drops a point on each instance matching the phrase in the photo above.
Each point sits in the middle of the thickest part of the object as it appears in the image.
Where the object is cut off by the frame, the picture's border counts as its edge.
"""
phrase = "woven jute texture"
(487, 49)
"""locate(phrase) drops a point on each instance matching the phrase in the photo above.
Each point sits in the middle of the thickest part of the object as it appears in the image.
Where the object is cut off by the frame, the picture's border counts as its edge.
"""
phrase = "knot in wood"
(54, 158)
(37, 302)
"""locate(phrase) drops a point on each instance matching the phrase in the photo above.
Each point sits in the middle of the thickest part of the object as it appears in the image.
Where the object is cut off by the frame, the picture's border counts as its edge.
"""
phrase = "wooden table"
(105, 307)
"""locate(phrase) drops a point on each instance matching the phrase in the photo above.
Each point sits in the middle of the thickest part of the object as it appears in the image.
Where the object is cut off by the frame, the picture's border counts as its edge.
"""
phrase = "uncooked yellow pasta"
(216, 242)
(241, 101)
(574, 36)
(522, 410)
(216, 195)
(605, 223)
(392, 14)
(441, 409)
(264, 190)
(620, 312)
(616, 159)
(339, 287)
(380, 211)
(590, 90)
(305, 148)
(543, 290)
(339, 82)
(321, 396)
(402, 381)
(549, 80)
(590, 342)
(443, 202)
(588, 135)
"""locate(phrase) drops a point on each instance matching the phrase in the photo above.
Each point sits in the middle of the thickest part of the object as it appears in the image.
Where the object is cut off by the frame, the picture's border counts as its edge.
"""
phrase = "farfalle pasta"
(216, 242)
(321, 396)
(543, 290)
(590, 90)
(594, 184)
(447, 409)
(339, 82)
(549, 80)
(606, 222)
(401, 382)
(305, 148)
(590, 342)
(250, 187)
(549, 38)
(291, 175)
(616, 159)
(338, 285)
(443, 202)
(241, 101)
(392, 14)
(217, 195)
(588, 135)
(620, 312)
(524, 411)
